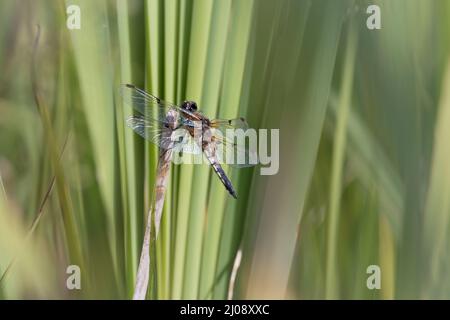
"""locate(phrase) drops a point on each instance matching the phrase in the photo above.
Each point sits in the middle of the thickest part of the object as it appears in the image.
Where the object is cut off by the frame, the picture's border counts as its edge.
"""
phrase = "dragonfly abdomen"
(223, 177)
(210, 153)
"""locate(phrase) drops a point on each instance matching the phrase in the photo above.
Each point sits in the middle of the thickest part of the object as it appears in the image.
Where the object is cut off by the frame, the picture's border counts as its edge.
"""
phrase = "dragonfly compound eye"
(189, 106)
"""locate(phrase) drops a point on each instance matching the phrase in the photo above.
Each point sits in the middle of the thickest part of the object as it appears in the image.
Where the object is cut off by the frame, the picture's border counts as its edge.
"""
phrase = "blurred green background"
(364, 176)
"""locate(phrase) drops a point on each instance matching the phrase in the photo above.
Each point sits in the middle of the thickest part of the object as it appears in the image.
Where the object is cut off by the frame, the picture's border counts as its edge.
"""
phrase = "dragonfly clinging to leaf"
(184, 129)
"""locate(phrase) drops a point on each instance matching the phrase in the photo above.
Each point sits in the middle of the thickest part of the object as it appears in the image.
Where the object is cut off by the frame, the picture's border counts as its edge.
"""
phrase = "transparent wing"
(179, 140)
(237, 123)
(235, 151)
(146, 104)
(151, 131)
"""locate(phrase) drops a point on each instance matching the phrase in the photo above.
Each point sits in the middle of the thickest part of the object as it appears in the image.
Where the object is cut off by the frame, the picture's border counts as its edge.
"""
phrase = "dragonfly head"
(190, 106)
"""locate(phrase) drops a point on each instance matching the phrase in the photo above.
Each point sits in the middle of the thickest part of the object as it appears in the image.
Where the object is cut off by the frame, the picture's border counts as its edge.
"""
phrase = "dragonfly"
(183, 128)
